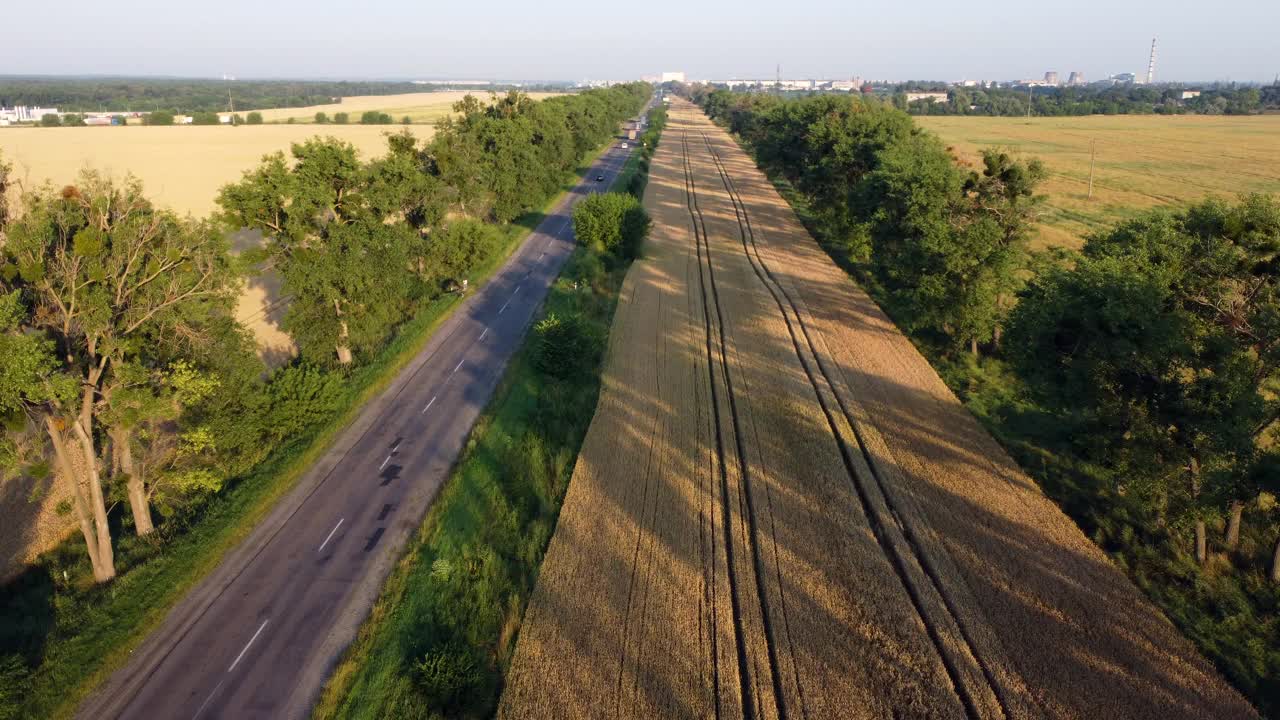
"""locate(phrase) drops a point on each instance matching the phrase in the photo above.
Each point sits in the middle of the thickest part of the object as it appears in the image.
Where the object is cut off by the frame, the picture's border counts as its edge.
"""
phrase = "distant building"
(844, 85)
(1051, 77)
(1124, 78)
(1076, 78)
(1188, 94)
(926, 96)
(673, 76)
(24, 114)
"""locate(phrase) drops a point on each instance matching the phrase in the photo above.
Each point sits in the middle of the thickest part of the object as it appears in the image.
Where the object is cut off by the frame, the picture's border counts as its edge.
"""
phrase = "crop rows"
(762, 522)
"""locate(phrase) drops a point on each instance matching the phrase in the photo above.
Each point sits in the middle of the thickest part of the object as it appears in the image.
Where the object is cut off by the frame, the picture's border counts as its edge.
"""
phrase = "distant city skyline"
(398, 39)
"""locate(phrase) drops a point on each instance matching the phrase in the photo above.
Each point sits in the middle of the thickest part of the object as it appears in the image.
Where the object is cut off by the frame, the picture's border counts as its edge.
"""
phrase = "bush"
(322, 119)
(563, 346)
(611, 222)
(298, 397)
(50, 121)
(205, 118)
(341, 118)
(255, 118)
(159, 117)
(448, 676)
(373, 117)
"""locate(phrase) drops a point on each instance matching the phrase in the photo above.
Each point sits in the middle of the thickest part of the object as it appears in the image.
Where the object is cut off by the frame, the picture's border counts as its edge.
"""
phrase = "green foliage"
(204, 118)
(562, 346)
(448, 676)
(1164, 336)
(254, 118)
(453, 250)
(341, 118)
(614, 223)
(50, 120)
(159, 117)
(322, 118)
(949, 250)
(373, 117)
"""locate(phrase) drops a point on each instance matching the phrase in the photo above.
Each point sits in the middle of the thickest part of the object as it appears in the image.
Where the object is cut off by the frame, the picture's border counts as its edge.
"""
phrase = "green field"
(1142, 161)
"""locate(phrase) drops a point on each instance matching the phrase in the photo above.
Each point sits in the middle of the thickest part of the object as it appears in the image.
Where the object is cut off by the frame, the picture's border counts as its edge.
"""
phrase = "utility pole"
(1030, 89)
(1093, 154)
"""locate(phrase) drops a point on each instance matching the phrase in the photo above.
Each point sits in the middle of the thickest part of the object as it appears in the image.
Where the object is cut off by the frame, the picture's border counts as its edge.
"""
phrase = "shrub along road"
(258, 637)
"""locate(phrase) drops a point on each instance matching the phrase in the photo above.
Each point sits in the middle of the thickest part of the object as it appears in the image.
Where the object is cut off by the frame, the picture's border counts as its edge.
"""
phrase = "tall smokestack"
(1151, 66)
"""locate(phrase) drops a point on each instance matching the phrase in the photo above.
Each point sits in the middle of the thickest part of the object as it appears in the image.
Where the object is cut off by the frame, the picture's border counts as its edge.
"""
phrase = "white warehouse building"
(23, 114)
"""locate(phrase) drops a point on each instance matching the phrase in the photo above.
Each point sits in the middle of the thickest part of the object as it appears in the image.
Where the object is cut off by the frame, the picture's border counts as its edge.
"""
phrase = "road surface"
(259, 636)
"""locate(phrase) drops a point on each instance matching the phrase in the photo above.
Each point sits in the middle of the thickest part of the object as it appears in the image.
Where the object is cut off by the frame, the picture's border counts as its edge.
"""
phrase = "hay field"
(422, 107)
(1142, 161)
(780, 510)
(180, 167)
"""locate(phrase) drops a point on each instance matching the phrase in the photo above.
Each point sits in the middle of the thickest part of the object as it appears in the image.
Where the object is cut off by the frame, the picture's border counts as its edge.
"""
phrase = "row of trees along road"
(1147, 366)
(117, 343)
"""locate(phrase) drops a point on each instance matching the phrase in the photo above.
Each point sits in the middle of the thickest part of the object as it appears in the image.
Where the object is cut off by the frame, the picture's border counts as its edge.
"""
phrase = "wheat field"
(1143, 161)
(180, 167)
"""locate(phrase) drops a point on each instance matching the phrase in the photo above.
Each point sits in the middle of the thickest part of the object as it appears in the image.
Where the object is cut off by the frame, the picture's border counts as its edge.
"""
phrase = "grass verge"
(439, 639)
(92, 630)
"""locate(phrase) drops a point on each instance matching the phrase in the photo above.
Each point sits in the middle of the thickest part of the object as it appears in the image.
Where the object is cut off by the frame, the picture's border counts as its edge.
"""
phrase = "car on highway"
(599, 178)
(624, 146)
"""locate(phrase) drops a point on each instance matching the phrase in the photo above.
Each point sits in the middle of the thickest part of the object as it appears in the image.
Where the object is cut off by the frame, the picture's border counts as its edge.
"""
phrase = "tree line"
(1126, 99)
(187, 96)
(1146, 365)
(123, 369)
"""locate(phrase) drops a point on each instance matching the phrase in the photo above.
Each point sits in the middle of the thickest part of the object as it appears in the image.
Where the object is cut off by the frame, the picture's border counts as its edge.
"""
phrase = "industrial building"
(24, 114)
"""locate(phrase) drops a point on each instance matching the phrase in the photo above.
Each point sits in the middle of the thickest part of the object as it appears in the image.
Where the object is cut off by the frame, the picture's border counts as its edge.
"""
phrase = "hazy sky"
(532, 39)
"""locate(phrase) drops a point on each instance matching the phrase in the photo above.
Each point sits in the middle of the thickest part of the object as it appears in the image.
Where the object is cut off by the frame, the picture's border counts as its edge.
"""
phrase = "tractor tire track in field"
(754, 700)
(911, 564)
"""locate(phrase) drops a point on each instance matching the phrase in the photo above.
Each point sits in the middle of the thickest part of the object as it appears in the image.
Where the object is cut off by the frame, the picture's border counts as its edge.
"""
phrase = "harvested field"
(1143, 161)
(781, 511)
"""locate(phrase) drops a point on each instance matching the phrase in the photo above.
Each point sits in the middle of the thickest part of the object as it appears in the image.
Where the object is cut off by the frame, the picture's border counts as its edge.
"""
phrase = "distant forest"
(1126, 99)
(187, 96)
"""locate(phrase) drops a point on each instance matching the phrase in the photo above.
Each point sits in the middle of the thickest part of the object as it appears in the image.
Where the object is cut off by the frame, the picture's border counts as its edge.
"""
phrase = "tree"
(373, 117)
(50, 120)
(205, 118)
(1164, 338)
(345, 264)
(159, 117)
(321, 118)
(103, 283)
(254, 118)
(341, 118)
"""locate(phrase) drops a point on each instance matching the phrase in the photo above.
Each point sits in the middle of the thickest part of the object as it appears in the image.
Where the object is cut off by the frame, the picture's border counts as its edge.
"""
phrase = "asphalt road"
(259, 636)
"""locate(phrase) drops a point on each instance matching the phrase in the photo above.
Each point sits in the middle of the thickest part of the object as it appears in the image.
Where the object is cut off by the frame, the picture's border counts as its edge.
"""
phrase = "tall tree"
(344, 265)
(105, 279)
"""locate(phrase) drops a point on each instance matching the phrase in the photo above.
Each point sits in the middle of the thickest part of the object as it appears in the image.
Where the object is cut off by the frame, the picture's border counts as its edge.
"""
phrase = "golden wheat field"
(180, 167)
(1142, 161)
(780, 510)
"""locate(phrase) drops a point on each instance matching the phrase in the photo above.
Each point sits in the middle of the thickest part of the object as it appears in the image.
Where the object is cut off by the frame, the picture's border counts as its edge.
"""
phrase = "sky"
(561, 40)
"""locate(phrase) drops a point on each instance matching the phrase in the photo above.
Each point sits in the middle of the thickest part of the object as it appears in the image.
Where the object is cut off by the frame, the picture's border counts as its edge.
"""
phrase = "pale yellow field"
(420, 107)
(1142, 161)
(180, 167)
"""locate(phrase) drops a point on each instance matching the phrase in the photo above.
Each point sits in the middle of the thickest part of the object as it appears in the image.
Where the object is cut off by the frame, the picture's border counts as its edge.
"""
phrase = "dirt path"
(780, 510)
